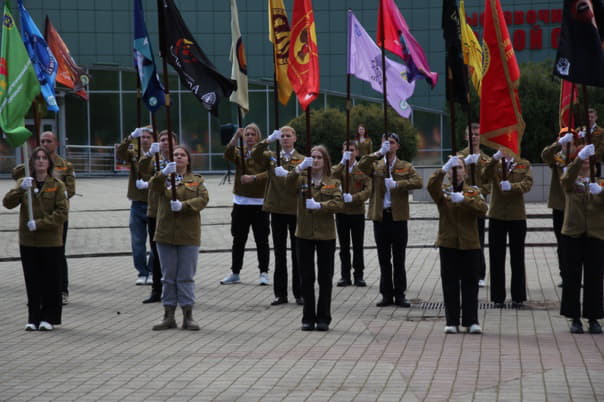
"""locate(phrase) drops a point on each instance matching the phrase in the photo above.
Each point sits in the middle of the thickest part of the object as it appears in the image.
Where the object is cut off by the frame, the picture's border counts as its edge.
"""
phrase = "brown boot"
(168, 322)
(187, 321)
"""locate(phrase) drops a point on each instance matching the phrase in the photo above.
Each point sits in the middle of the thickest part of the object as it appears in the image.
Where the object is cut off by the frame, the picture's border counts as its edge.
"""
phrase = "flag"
(365, 63)
(239, 69)
(568, 98)
(580, 57)
(472, 51)
(44, 62)
(303, 69)
(144, 63)
(69, 73)
(456, 71)
(501, 122)
(398, 39)
(278, 34)
(196, 71)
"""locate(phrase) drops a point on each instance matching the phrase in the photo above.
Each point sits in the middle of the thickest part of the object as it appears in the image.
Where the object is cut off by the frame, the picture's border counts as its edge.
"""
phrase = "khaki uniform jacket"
(551, 155)
(279, 198)
(584, 212)
(483, 161)
(406, 179)
(146, 165)
(63, 171)
(255, 189)
(365, 147)
(126, 154)
(457, 224)
(182, 228)
(360, 188)
(508, 205)
(50, 207)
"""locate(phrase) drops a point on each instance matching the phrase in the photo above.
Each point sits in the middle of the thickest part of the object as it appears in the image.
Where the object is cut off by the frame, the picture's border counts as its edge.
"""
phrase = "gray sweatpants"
(178, 266)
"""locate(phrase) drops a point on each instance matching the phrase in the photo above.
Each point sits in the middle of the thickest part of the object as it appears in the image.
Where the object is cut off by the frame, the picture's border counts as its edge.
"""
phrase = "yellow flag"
(472, 51)
(278, 34)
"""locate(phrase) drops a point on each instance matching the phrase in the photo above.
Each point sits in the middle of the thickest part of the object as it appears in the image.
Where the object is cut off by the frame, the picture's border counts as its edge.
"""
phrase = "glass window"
(257, 113)
(286, 113)
(429, 138)
(105, 80)
(338, 102)
(195, 133)
(76, 122)
(105, 119)
(160, 116)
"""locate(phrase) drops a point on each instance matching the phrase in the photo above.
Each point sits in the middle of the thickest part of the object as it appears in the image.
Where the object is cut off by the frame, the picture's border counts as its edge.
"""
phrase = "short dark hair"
(394, 136)
(35, 151)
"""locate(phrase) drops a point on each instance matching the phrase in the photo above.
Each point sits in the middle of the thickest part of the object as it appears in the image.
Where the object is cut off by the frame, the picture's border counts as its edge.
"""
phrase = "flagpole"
(30, 208)
(452, 118)
(138, 112)
(571, 117)
(470, 139)
(592, 159)
(308, 148)
(37, 120)
(385, 100)
(276, 100)
(155, 139)
(347, 174)
(240, 123)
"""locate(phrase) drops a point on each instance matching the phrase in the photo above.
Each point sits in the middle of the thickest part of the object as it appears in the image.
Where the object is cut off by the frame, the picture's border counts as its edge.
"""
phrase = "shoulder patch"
(329, 186)
(50, 189)
(401, 170)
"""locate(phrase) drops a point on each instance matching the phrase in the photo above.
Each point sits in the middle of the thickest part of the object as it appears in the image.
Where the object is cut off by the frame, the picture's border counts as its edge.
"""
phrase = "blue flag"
(152, 90)
(44, 62)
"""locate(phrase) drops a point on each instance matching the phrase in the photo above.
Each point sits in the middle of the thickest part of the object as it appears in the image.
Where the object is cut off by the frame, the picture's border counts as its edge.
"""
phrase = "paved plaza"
(247, 350)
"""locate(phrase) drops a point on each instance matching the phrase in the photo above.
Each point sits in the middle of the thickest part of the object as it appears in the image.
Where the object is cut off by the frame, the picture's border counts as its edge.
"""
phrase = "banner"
(568, 97)
(456, 72)
(239, 70)
(278, 34)
(472, 51)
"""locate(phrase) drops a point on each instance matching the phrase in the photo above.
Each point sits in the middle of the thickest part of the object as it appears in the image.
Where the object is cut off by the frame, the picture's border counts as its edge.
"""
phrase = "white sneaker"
(45, 326)
(149, 280)
(474, 329)
(481, 283)
(231, 279)
(65, 298)
(263, 281)
(450, 329)
(141, 280)
(31, 327)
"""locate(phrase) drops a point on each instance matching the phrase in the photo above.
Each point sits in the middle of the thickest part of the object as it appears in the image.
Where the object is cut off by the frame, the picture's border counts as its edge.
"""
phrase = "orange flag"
(303, 68)
(568, 97)
(501, 122)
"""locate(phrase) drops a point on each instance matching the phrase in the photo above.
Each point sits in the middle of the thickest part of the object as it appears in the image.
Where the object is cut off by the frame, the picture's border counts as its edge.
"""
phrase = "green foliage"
(326, 127)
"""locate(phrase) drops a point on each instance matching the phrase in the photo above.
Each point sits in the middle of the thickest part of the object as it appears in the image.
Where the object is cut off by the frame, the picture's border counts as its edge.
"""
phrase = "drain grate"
(545, 305)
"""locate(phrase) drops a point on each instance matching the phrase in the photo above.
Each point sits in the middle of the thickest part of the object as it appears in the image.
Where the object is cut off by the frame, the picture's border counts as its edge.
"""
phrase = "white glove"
(27, 183)
(306, 163)
(154, 148)
(347, 197)
(587, 151)
(498, 155)
(451, 163)
(136, 133)
(280, 171)
(505, 185)
(31, 225)
(312, 204)
(389, 183)
(566, 139)
(175, 206)
(471, 159)
(169, 169)
(345, 157)
(385, 148)
(456, 197)
(595, 188)
(276, 135)
(582, 133)
(141, 184)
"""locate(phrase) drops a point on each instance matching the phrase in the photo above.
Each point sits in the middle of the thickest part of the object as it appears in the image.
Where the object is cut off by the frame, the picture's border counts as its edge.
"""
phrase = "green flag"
(18, 82)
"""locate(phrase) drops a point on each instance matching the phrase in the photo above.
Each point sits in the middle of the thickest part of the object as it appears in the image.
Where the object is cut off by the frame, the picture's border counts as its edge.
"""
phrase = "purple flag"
(365, 63)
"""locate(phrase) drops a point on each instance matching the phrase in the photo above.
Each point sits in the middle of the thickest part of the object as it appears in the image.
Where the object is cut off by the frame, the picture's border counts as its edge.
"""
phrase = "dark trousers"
(157, 286)
(482, 271)
(584, 257)
(325, 249)
(499, 230)
(42, 272)
(64, 276)
(459, 270)
(281, 224)
(242, 217)
(391, 241)
(558, 218)
(351, 226)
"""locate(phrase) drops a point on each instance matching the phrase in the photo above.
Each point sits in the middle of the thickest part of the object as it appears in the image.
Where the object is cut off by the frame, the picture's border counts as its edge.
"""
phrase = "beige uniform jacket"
(508, 205)
(63, 170)
(146, 165)
(365, 147)
(279, 198)
(360, 188)
(125, 153)
(50, 209)
(483, 161)
(583, 212)
(551, 155)
(406, 179)
(182, 228)
(255, 189)
(457, 221)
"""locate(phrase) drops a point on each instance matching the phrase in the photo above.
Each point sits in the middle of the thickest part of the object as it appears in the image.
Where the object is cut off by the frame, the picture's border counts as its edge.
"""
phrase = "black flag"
(456, 71)
(196, 71)
(580, 57)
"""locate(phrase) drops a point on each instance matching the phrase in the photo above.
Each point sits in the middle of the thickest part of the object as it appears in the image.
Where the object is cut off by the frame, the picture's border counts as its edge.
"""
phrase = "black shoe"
(153, 298)
(344, 282)
(322, 326)
(308, 326)
(517, 304)
(299, 301)
(278, 301)
(402, 302)
(385, 302)
(360, 283)
(560, 284)
(595, 327)
(576, 327)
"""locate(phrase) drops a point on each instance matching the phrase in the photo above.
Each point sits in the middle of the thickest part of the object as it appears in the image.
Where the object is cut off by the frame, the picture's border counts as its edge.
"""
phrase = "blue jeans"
(138, 237)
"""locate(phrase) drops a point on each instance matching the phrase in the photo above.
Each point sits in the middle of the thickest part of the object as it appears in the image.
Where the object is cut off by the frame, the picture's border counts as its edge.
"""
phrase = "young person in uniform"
(365, 144)
(248, 197)
(41, 239)
(350, 221)
(458, 243)
(178, 236)
(392, 180)
(281, 202)
(319, 197)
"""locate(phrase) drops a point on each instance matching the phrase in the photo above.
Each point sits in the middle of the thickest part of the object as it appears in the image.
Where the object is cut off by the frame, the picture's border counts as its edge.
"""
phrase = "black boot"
(187, 321)
(168, 322)
(576, 327)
